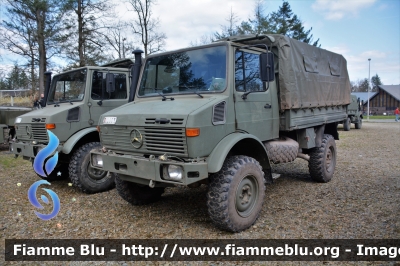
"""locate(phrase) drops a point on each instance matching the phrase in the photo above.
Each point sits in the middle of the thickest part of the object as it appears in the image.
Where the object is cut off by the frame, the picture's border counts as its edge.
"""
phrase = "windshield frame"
(51, 99)
(159, 91)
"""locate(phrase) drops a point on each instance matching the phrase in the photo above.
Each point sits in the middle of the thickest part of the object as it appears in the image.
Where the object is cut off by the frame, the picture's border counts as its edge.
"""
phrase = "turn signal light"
(98, 128)
(50, 126)
(192, 132)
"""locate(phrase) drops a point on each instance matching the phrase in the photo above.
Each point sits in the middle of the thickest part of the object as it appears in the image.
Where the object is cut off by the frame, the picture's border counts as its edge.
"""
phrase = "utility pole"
(369, 74)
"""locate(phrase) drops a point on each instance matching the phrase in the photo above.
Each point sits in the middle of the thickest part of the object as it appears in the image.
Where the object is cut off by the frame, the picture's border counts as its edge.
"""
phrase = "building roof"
(364, 95)
(393, 90)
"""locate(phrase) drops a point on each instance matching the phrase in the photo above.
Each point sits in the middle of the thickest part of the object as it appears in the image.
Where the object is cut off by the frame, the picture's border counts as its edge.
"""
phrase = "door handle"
(267, 106)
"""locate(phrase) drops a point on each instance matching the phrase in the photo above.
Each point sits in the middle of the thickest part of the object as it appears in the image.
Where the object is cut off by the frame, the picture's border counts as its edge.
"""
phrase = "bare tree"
(145, 26)
(228, 30)
(118, 40)
(85, 30)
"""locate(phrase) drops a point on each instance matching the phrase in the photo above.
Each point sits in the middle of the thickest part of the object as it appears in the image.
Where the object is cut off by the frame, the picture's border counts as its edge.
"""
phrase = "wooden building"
(386, 100)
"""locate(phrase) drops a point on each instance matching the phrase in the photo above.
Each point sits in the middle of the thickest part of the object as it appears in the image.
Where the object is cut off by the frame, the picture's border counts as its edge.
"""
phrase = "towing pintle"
(135, 73)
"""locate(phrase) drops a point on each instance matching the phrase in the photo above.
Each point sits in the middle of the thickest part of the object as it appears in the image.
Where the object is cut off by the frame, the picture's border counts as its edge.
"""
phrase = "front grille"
(36, 131)
(39, 132)
(156, 140)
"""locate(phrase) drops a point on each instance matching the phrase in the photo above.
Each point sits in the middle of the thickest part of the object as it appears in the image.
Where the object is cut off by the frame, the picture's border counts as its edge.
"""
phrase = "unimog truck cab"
(74, 102)
(222, 114)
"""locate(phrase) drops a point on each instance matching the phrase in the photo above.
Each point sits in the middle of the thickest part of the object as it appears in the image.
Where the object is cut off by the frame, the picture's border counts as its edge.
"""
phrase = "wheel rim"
(330, 160)
(246, 196)
(94, 173)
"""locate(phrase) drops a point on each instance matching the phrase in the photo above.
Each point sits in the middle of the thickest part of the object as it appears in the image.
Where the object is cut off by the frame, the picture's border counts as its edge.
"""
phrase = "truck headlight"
(97, 160)
(172, 172)
(18, 120)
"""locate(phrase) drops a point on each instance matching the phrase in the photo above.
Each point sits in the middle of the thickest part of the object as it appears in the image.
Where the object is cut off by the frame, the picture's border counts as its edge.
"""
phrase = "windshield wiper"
(195, 92)
(165, 98)
(201, 96)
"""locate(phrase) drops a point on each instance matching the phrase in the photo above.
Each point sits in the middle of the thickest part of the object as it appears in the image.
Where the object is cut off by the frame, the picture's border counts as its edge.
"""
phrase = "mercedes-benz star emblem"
(136, 139)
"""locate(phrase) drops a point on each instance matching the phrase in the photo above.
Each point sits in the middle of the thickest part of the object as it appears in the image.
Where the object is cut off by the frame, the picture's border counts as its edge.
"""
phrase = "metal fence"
(14, 93)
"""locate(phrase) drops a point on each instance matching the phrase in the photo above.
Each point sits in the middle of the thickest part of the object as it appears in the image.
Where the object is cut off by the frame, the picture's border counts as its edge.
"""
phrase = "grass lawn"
(380, 117)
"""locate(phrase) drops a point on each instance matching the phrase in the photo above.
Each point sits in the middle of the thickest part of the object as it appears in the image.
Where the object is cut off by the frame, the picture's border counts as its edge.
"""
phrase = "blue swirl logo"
(43, 165)
(32, 198)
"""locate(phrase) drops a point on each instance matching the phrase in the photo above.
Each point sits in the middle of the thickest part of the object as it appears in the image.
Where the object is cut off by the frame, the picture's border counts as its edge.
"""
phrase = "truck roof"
(121, 63)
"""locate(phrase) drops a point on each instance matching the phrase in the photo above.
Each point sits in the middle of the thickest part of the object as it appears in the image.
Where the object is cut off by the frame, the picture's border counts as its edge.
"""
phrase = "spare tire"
(283, 150)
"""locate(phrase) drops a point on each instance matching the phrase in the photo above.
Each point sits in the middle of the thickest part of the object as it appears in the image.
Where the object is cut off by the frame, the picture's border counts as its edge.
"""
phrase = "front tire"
(58, 173)
(136, 194)
(322, 161)
(88, 179)
(236, 194)
(346, 124)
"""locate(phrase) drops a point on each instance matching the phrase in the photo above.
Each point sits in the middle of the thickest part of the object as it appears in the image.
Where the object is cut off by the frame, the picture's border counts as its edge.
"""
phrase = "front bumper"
(142, 170)
(28, 151)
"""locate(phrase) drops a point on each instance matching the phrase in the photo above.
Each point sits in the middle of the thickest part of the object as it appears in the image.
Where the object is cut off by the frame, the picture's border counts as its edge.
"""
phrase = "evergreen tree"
(376, 81)
(285, 22)
(259, 24)
(31, 31)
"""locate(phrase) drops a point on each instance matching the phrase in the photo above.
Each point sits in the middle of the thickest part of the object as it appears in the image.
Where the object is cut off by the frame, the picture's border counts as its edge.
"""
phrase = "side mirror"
(267, 71)
(110, 79)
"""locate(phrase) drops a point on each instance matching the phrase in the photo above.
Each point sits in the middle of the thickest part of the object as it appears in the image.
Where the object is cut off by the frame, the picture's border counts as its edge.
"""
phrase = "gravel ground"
(361, 201)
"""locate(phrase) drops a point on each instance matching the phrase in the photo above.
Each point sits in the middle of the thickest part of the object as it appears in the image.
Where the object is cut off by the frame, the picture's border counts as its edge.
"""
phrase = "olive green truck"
(75, 100)
(222, 114)
(354, 114)
(7, 118)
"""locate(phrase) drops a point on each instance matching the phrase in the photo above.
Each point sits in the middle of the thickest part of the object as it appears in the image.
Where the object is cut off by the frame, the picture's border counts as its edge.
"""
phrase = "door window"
(99, 86)
(247, 72)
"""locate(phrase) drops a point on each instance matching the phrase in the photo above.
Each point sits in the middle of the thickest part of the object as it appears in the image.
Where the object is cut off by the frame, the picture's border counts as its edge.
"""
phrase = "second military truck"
(354, 114)
(75, 100)
(222, 114)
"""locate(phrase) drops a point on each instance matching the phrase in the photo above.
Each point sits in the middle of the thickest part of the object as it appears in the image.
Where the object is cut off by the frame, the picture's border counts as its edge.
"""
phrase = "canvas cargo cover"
(309, 76)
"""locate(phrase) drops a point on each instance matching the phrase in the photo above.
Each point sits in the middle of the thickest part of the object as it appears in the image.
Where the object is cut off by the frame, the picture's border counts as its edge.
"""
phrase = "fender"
(70, 143)
(220, 152)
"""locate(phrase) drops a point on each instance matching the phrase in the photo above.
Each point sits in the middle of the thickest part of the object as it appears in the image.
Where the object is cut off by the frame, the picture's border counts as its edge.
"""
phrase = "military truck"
(354, 114)
(74, 102)
(222, 114)
(7, 118)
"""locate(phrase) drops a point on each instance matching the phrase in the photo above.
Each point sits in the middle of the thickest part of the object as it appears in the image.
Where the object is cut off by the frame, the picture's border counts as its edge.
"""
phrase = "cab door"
(102, 100)
(254, 110)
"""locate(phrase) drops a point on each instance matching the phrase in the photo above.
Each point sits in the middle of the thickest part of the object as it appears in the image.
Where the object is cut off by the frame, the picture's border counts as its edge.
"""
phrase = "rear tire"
(346, 124)
(322, 161)
(359, 124)
(136, 194)
(236, 194)
(88, 179)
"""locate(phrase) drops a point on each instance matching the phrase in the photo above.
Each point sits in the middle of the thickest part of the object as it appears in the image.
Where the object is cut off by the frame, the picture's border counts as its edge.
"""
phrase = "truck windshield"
(201, 70)
(67, 87)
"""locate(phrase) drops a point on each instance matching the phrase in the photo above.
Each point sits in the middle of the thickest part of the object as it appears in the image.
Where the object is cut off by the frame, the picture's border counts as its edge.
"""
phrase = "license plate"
(109, 120)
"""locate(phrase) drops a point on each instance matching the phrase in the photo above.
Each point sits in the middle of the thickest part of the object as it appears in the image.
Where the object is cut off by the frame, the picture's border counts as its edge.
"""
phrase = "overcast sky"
(357, 29)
